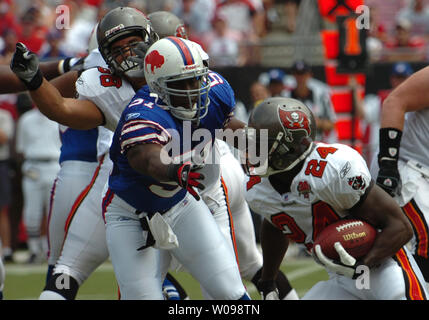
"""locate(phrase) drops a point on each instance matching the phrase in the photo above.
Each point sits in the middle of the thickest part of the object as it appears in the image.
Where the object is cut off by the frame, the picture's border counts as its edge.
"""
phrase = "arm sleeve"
(140, 131)
(348, 178)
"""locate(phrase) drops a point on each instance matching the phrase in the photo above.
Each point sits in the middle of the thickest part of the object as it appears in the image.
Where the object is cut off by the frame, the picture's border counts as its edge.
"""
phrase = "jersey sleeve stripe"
(148, 123)
(147, 138)
(136, 127)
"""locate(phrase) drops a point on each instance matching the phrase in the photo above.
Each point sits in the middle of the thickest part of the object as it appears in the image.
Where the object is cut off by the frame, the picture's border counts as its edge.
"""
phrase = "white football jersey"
(414, 137)
(109, 92)
(332, 180)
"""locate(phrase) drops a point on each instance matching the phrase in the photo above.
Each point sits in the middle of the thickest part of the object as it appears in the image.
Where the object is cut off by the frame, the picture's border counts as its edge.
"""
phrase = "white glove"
(268, 290)
(348, 264)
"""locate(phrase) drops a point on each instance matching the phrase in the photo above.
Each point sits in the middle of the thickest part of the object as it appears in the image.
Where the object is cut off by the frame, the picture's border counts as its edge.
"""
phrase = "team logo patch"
(393, 152)
(114, 29)
(357, 183)
(180, 31)
(392, 134)
(304, 189)
(155, 60)
(294, 120)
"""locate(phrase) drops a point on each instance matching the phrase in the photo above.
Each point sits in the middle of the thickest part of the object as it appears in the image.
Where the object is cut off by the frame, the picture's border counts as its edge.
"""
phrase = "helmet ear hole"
(277, 163)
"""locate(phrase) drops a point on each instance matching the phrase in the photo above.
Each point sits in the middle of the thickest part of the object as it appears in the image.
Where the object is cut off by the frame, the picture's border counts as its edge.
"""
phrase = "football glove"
(268, 290)
(25, 64)
(388, 177)
(186, 177)
(346, 266)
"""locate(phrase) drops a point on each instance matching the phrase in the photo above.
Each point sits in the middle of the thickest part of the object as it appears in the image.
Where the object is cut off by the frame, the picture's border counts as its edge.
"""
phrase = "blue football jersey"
(145, 121)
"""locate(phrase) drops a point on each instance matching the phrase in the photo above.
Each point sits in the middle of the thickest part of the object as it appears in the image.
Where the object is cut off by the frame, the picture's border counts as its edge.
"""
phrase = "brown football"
(356, 236)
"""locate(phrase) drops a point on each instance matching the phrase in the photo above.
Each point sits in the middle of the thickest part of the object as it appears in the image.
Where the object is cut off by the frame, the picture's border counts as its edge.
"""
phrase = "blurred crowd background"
(263, 47)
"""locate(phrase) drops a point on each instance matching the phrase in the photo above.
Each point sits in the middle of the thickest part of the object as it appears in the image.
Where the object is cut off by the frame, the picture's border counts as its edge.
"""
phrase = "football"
(356, 236)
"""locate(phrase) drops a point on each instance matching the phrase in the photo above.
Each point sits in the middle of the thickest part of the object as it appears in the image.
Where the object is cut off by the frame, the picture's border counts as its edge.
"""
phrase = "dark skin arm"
(10, 83)
(234, 124)
(274, 245)
(382, 211)
(146, 159)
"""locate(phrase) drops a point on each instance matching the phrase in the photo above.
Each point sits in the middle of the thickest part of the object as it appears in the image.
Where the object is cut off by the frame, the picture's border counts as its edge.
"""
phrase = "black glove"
(268, 290)
(25, 64)
(388, 177)
(188, 179)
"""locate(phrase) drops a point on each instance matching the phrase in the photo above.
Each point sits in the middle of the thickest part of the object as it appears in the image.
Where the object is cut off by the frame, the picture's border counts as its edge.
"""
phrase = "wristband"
(61, 66)
(36, 82)
(66, 64)
(390, 140)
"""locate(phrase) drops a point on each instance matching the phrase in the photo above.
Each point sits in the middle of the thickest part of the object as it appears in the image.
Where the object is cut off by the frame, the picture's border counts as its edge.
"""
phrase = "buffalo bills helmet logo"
(295, 120)
(154, 59)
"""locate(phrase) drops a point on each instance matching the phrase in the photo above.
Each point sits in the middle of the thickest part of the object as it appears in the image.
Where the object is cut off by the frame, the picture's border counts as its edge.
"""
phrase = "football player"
(78, 190)
(303, 186)
(66, 268)
(250, 259)
(402, 165)
(145, 192)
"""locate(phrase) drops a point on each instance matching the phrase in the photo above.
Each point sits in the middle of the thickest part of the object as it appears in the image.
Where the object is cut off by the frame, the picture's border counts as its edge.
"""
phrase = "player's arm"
(10, 83)
(74, 113)
(411, 95)
(77, 114)
(234, 124)
(65, 84)
(149, 158)
(382, 211)
(146, 159)
(274, 245)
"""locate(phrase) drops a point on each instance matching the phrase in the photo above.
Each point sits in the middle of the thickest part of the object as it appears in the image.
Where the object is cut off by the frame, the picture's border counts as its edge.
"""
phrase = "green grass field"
(24, 282)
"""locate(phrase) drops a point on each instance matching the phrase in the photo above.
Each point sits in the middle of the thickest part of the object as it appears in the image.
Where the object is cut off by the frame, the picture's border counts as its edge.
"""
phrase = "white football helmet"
(173, 59)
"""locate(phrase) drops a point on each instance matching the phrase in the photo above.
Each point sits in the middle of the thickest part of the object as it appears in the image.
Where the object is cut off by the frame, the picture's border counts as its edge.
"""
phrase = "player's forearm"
(274, 245)
(50, 69)
(393, 112)
(388, 242)
(9, 82)
(50, 102)
(146, 159)
(382, 211)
